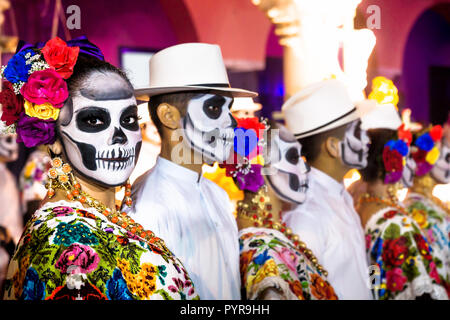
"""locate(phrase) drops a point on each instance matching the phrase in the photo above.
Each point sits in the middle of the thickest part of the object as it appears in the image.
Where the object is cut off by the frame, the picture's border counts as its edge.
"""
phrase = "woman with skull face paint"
(432, 157)
(275, 264)
(77, 246)
(405, 265)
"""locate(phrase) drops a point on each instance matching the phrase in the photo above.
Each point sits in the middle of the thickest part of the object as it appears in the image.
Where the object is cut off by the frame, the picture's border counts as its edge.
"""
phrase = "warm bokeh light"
(442, 191)
(384, 91)
(350, 177)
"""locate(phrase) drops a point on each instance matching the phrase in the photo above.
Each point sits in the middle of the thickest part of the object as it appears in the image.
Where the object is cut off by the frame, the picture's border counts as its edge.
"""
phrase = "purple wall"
(428, 45)
(107, 23)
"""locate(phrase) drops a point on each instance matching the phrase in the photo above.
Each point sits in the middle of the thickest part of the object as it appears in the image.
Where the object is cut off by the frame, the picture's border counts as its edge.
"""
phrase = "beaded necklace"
(61, 177)
(260, 213)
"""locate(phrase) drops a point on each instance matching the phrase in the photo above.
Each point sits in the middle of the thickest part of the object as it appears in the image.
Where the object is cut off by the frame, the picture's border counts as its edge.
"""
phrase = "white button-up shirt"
(194, 217)
(329, 225)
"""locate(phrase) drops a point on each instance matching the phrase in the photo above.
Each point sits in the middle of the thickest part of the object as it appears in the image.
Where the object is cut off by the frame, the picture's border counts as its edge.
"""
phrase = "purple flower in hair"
(423, 168)
(34, 131)
(251, 180)
(392, 177)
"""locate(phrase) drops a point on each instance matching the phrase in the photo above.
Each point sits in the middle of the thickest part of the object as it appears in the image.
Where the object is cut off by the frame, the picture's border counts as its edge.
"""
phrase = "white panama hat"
(245, 104)
(319, 107)
(381, 116)
(188, 67)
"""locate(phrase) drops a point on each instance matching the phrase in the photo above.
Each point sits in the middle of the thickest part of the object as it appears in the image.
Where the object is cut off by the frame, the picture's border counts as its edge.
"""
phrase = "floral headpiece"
(35, 88)
(424, 151)
(394, 155)
(246, 164)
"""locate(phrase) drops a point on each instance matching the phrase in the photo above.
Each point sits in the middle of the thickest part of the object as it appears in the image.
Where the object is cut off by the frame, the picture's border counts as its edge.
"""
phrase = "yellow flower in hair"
(384, 91)
(43, 111)
(432, 156)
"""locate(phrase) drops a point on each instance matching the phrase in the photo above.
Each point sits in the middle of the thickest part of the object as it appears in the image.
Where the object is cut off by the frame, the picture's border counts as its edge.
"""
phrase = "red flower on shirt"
(422, 245)
(395, 251)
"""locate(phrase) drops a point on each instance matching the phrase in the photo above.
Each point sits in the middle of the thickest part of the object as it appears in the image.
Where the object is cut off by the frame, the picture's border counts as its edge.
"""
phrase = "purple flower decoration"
(34, 131)
(392, 177)
(62, 211)
(252, 180)
(109, 230)
(423, 168)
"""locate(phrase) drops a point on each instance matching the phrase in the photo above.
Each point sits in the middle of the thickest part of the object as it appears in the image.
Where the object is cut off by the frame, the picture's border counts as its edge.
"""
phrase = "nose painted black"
(233, 121)
(119, 137)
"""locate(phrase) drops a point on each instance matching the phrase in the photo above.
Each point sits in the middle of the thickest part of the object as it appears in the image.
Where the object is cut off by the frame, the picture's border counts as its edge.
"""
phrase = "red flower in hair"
(392, 160)
(436, 133)
(12, 104)
(404, 134)
(419, 155)
(60, 57)
(251, 123)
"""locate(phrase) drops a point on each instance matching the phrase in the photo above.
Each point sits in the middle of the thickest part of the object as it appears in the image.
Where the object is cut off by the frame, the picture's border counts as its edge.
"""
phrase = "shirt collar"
(325, 180)
(176, 171)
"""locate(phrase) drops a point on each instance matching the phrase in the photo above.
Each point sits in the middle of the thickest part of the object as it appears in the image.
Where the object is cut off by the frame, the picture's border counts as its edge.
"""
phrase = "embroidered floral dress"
(435, 225)
(407, 264)
(68, 252)
(269, 260)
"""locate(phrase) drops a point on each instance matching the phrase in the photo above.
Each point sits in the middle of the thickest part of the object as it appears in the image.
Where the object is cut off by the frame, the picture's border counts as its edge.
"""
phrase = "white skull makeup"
(408, 171)
(441, 169)
(100, 131)
(290, 181)
(354, 148)
(9, 149)
(209, 126)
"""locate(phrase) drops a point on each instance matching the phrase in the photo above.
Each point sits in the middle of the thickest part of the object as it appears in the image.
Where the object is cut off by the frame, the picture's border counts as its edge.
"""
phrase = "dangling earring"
(61, 176)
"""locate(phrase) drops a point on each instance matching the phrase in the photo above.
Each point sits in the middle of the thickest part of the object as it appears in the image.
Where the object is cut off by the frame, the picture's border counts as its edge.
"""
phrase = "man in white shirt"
(326, 122)
(190, 98)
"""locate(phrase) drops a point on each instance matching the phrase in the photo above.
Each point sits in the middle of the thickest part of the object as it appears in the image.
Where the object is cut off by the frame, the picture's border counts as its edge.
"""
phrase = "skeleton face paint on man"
(208, 126)
(290, 181)
(408, 171)
(441, 168)
(99, 129)
(9, 149)
(354, 148)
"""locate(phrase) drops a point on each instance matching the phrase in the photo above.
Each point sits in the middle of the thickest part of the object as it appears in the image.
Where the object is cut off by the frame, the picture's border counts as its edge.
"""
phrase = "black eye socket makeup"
(213, 106)
(292, 155)
(129, 118)
(93, 119)
(358, 130)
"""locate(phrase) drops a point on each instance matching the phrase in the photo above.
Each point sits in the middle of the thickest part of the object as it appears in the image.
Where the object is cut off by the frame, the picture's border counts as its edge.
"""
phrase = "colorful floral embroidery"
(268, 259)
(407, 265)
(71, 253)
(434, 224)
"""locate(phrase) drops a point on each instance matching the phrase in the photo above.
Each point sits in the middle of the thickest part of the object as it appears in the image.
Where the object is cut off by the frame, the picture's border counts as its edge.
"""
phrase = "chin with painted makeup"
(77, 245)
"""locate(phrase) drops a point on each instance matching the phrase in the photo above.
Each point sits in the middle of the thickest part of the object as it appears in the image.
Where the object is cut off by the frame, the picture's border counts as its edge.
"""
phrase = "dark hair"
(311, 146)
(177, 99)
(375, 167)
(83, 68)
(86, 65)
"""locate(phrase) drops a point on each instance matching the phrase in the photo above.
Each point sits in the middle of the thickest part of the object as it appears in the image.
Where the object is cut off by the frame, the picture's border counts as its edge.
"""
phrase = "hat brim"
(144, 94)
(354, 115)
